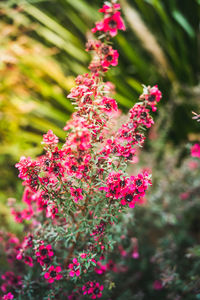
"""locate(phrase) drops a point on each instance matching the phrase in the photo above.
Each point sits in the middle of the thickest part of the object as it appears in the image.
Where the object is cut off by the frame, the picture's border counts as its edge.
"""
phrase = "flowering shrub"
(76, 194)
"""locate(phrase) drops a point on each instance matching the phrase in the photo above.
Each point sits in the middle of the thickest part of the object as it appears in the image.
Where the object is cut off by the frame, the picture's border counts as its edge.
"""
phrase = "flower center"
(130, 125)
(75, 268)
(74, 168)
(56, 169)
(44, 251)
(96, 291)
(126, 134)
(122, 183)
(112, 24)
(151, 98)
(108, 106)
(100, 229)
(138, 182)
(45, 196)
(105, 50)
(130, 156)
(53, 274)
(46, 260)
(129, 197)
(143, 114)
(47, 162)
(109, 58)
(56, 154)
(138, 137)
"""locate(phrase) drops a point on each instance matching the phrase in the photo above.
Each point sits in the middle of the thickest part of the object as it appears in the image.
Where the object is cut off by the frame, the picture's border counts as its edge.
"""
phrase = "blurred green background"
(42, 50)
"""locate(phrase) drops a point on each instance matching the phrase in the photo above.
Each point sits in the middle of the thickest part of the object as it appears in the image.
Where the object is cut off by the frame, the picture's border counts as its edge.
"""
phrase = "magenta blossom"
(50, 138)
(53, 274)
(92, 288)
(110, 59)
(8, 296)
(195, 150)
(153, 96)
(109, 105)
(106, 9)
(74, 268)
(113, 24)
(44, 254)
(157, 285)
(110, 24)
(76, 194)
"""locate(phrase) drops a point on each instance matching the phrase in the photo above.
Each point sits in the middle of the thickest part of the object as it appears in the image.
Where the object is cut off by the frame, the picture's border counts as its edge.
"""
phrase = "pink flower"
(11, 281)
(110, 57)
(184, 196)
(44, 254)
(53, 274)
(83, 255)
(109, 104)
(110, 24)
(195, 150)
(155, 92)
(74, 267)
(52, 211)
(8, 296)
(157, 285)
(50, 138)
(108, 9)
(99, 231)
(20, 216)
(28, 260)
(135, 254)
(153, 96)
(100, 268)
(193, 164)
(111, 266)
(76, 194)
(94, 289)
(113, 24)
(26, 167)
(141, 182)
(139, 114)
(129, 198)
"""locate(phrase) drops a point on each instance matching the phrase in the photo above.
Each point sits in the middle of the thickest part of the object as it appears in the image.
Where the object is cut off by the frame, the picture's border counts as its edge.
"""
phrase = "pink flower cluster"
(128, 190)
(151, 95)
(112, 21)
(8, 296)
(12, 281)
(53, 273)
(74, 193)
(44, 254)
(105, 56)
(93, 289)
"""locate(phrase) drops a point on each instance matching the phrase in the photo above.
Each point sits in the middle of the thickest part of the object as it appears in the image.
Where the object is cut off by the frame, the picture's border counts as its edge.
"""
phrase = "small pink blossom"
(109, 104)
(184, 196)
(193, 164)
(157, 285)
(8, 296)
(53, 274)
(110, 24)
(76, 194)
(74, 268)
(50, 138)
(195, 150)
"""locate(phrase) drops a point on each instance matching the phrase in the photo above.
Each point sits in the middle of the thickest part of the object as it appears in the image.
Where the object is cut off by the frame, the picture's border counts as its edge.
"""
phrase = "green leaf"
(183, 23)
